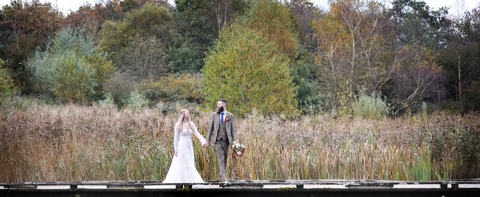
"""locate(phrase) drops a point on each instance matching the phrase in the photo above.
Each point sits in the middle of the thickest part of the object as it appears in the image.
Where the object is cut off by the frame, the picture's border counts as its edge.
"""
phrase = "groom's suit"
(222, 135)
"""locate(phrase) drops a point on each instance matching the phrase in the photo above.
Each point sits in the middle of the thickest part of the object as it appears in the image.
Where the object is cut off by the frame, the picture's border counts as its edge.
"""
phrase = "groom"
(221, 134)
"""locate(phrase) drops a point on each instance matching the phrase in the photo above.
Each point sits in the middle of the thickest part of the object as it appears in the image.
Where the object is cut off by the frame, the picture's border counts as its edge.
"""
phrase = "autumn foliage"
(408, 52)
(24, 27)
(275, 21)
(246, 69)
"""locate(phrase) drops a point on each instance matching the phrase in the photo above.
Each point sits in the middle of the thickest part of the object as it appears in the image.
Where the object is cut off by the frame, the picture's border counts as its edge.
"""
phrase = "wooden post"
(443, 185)
(455, 186)
(178, 187)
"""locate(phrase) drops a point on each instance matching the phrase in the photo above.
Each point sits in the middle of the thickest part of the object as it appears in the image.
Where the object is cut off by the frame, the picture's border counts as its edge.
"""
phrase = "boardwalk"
(445, 188)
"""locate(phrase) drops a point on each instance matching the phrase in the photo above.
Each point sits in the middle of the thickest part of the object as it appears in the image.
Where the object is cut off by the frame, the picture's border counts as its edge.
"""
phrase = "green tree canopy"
(416, 23)
(246, 69)
(191, 35)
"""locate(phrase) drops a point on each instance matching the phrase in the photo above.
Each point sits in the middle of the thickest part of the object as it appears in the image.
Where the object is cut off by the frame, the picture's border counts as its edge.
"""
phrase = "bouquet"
(238, 149)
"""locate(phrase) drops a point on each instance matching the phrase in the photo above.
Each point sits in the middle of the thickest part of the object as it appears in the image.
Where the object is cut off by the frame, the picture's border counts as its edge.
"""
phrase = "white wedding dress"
(182, 169)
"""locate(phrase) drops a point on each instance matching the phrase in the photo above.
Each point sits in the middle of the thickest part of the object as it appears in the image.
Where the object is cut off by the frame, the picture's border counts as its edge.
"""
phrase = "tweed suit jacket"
(215, 126)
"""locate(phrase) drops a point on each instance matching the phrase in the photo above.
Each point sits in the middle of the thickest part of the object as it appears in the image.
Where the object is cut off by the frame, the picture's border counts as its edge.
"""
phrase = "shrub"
(6, 83)
(71, 68)
(370, 106)
(119, 87)
(175, 87)
(136, 101)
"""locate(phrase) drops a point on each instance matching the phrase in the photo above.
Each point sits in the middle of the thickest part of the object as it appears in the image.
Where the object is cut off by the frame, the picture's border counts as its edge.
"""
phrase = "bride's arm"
(197, 134)
(176, 136)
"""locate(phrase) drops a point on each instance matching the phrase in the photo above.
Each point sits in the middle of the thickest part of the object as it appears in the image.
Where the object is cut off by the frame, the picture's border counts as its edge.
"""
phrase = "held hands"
(206, 145)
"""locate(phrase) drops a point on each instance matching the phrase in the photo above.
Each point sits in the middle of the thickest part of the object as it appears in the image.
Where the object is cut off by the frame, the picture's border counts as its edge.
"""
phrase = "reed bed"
(42, 142)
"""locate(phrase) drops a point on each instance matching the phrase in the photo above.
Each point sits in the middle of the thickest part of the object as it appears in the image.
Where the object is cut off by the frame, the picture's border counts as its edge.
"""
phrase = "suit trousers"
(221, 147)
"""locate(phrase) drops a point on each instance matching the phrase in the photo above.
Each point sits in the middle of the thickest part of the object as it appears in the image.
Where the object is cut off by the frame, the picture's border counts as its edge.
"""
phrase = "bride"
(182, 169)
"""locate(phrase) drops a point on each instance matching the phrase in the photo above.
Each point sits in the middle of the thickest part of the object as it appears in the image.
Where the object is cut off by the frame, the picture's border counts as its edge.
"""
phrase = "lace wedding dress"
(182, 169)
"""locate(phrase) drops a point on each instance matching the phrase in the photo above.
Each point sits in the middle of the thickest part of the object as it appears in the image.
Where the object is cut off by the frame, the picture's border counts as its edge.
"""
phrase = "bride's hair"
(181, 118)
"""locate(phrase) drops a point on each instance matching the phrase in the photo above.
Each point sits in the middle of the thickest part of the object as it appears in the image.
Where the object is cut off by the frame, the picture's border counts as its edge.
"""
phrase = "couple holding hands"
(221, 134)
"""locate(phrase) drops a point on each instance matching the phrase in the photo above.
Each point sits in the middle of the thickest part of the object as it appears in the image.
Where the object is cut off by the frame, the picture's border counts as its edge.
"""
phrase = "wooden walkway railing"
(242, 188)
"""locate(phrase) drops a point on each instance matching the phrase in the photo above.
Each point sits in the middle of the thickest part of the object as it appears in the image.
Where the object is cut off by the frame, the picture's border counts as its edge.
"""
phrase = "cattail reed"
(41, 142)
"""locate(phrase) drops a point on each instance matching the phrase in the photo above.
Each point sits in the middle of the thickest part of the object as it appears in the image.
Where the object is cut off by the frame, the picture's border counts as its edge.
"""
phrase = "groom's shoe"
(224, 183)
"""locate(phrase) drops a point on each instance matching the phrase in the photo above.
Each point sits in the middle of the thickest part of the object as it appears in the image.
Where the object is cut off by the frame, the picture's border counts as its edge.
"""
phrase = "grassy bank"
(40, 142)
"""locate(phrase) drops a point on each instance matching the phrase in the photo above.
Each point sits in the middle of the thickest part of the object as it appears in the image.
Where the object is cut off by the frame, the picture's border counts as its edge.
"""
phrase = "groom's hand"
(206, 145)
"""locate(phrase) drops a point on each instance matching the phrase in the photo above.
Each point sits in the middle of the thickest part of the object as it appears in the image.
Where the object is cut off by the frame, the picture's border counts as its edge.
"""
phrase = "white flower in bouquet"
(237, 148)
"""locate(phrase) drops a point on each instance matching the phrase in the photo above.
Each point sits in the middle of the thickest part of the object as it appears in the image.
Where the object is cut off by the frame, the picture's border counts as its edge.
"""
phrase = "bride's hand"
(176, 153)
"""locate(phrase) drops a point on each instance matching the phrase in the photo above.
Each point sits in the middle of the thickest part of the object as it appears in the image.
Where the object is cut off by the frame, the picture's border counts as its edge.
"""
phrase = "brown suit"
(216, 134)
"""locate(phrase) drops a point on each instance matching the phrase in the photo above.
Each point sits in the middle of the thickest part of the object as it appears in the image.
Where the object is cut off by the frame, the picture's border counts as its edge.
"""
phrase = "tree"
(88, 16)
(143, 58)
(354, 53)
(196, 24)
(220, 13)
(303, 74)
(71, 68)
(275, 21)
(134, 33)
(417, 77)
(93, 16)
(304, 12)
(191, 35)
(24, 27)
(416, 23)
(351, 47)
(460, 61)
(246, 69)
(149, 21)
(128, 5)
(304, 70)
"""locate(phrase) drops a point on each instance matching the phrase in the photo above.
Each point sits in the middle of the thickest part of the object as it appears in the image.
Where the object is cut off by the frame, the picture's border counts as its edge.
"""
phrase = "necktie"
(221, 116)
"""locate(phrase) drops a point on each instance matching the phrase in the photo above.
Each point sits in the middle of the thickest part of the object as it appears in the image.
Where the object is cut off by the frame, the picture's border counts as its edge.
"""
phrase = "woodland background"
(363, 89)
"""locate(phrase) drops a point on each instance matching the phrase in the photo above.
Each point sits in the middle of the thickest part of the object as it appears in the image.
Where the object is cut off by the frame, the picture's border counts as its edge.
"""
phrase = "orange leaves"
(352, 45)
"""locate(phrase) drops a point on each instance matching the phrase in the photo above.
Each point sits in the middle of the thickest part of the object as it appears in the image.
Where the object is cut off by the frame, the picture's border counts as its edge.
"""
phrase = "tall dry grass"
(41, 142)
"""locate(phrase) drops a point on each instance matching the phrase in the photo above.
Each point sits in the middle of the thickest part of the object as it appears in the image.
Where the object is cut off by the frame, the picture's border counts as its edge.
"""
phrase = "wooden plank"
(252, 183)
